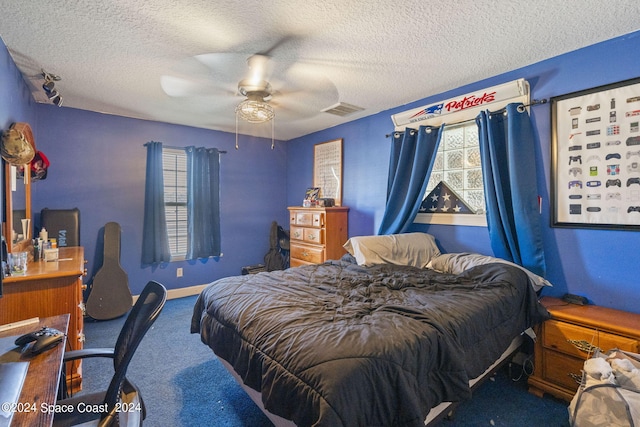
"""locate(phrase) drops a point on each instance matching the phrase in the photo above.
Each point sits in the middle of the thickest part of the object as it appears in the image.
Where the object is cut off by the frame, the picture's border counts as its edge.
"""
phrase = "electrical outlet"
(179, 272)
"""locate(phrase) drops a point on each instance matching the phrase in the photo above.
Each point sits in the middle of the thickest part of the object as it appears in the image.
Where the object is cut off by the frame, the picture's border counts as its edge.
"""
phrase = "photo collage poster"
(597, 157)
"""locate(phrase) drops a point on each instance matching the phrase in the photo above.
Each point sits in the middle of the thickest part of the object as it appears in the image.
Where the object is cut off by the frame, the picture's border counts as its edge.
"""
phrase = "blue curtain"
(509, 167)
(412, 156)
(155, 242)
(203, 202)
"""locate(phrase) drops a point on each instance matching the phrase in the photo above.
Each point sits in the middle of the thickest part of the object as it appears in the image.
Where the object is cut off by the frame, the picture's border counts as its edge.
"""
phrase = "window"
(174, 168)
(458, 158)
(458, 167)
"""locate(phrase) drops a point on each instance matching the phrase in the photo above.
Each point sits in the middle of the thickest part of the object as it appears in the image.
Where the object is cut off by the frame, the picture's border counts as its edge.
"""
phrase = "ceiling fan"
(287, 89)
(256, 108)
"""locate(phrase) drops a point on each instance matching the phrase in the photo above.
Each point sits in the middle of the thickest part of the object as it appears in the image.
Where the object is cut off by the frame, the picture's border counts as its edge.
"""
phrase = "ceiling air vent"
(342, 109)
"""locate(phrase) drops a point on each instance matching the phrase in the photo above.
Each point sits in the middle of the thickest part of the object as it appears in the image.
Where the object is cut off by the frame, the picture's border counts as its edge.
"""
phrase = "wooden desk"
(41, 384)
(49, 289)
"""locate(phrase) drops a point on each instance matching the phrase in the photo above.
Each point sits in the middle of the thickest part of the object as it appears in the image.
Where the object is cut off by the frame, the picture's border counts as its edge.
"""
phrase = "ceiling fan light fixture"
(254, 111)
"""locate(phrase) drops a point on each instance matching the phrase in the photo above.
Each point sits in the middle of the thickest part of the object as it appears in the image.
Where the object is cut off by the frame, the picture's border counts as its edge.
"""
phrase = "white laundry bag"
(609, 394)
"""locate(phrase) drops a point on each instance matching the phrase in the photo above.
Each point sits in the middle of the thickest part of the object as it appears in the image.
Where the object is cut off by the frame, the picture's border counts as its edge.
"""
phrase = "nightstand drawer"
(607, 341)
(563, 370)
(580, 341)
(558, 336)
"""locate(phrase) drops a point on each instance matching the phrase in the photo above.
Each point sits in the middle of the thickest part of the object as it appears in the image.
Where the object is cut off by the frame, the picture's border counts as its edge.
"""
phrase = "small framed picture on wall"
(327, 169)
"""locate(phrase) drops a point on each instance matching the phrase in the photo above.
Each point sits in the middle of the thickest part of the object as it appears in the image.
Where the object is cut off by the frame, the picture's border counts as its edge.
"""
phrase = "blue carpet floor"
(183, 384)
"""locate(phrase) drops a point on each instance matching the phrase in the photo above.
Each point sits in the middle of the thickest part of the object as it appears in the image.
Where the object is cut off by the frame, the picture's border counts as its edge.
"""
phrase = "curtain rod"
(520, 109)
(181, 148)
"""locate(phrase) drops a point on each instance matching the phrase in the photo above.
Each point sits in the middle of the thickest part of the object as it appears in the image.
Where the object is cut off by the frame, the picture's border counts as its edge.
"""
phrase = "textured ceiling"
(180, 61)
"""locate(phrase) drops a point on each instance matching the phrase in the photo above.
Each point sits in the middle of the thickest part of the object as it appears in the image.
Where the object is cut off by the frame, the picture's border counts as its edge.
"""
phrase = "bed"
(379, 337)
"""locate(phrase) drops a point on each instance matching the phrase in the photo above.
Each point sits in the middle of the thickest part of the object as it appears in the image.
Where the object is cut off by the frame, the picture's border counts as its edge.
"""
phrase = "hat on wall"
(18, 145)
(39, 166)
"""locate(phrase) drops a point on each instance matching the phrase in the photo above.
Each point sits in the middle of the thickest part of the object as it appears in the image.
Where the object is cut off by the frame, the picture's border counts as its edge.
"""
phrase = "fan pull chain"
(236, 130)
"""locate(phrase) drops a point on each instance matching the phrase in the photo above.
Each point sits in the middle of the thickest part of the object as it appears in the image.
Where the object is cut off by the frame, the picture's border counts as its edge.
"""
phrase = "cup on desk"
(17, 263)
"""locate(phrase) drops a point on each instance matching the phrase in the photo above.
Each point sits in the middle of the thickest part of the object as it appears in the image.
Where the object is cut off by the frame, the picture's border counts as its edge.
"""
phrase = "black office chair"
(121, 394)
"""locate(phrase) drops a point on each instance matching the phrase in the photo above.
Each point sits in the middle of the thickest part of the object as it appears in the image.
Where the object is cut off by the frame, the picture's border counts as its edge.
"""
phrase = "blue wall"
(16, 103)
(98, 166)
(600, 264)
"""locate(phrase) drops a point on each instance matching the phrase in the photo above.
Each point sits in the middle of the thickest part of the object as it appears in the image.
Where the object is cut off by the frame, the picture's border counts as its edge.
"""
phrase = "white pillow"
(414, 249)
(457, 263)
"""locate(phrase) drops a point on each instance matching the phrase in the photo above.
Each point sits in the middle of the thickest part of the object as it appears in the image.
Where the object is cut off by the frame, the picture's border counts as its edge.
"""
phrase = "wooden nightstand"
(568, 339)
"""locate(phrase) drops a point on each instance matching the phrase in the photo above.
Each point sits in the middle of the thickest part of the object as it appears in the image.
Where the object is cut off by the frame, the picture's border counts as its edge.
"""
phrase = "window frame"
(454, 118)
(179, 169)
(445, 218)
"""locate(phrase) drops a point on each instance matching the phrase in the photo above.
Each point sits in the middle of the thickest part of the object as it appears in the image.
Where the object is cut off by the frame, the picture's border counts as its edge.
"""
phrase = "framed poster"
(595, 143)
(327, 169)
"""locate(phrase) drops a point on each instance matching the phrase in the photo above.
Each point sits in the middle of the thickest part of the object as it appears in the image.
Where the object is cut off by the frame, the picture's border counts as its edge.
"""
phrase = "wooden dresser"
(317, 234)
(567, 339)
(49, 289)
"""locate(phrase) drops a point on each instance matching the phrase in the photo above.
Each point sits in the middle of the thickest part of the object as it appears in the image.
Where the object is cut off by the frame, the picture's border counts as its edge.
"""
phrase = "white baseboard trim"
(185, 292)
(181, 292)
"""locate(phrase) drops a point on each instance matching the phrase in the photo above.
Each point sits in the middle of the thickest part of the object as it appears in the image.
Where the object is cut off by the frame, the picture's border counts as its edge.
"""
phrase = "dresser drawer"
(311, 219)
(310, 235)
(314, 235)
(307, 253)
(563, 370)
(297, 233)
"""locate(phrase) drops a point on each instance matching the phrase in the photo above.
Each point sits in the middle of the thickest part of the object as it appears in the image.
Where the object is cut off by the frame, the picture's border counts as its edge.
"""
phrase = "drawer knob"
(577, 378)
(583, 346)
(305, 254)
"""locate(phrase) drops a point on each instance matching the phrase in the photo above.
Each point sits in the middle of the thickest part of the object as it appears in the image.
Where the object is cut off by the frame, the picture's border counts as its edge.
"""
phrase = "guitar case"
(110, 296)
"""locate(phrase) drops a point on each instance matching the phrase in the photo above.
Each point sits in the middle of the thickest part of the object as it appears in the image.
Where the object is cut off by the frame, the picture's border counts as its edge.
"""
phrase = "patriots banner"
(470, 104)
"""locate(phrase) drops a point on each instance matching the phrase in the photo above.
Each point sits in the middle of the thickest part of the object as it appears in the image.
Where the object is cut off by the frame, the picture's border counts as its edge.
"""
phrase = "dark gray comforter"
(337, 344)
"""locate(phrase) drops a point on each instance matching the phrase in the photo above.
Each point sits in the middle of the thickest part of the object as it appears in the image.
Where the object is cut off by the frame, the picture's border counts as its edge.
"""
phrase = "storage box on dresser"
(564, 343)
(317, 234)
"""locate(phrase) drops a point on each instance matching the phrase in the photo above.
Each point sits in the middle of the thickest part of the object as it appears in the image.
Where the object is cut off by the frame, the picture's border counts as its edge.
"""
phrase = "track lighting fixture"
(49, 87)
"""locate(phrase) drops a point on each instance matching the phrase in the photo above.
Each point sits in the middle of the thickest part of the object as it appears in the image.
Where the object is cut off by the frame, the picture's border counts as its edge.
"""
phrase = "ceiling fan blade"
(304, 89)
(288, 39)
(178, 87)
